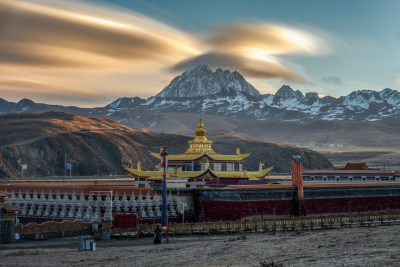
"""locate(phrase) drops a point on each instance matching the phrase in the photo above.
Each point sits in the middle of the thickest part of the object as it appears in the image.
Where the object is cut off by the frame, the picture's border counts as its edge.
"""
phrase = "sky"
(89, 53)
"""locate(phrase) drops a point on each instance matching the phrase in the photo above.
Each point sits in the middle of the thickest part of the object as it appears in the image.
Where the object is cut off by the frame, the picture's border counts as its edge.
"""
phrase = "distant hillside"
(102, 146)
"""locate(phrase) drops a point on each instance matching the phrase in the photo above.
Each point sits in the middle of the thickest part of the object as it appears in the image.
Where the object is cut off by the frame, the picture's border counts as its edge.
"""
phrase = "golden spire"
(237, 151)
(260, 166)
(200, 144)
(139, 166)
(200, 128)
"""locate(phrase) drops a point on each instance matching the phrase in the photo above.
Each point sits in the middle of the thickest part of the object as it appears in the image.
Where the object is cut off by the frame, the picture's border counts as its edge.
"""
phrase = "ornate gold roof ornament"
(207, 165)
(237, 151)
(200, 144)
(139, 166)
(260, 166)
(200, 128)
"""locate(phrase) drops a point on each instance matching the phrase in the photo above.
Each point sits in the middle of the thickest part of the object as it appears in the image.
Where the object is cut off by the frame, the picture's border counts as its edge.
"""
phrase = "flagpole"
(65, 164)
(164, 217)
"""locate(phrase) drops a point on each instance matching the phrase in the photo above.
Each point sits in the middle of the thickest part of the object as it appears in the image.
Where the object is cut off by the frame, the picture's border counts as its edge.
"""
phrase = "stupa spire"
(200, 129)
(200, 144)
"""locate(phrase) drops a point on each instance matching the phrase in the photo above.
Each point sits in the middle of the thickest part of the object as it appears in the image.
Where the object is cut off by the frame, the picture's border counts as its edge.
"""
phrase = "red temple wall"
(215, 210)
(355, 204)
(230, 210)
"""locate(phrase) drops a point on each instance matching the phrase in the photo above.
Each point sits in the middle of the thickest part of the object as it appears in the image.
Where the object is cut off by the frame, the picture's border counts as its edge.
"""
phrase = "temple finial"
(200, 128)
(139, 166)
(200, 125)
(237, 151)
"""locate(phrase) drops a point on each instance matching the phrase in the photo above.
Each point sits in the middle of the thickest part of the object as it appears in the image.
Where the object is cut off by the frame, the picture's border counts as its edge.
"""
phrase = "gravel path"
(375, 246)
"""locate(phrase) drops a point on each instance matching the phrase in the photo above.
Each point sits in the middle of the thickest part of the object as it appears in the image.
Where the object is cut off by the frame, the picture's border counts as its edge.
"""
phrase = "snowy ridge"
(200, 90)
(288, 104)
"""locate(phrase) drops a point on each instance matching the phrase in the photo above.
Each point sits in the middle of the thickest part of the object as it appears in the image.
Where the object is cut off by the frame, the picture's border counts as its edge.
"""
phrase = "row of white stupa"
(73, 206)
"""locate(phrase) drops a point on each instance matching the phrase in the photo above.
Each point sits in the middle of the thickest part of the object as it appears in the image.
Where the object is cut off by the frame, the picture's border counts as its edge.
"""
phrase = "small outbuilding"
(8, 213)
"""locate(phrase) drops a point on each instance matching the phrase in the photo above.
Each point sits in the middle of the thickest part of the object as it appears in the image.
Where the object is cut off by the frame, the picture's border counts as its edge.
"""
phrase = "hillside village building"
(199, 165)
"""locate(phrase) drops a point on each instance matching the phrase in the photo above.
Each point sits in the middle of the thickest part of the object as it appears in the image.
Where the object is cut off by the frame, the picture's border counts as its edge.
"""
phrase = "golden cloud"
(253, 50)
(37, 90)
(268, 39)
(67, 45)
(55, 35)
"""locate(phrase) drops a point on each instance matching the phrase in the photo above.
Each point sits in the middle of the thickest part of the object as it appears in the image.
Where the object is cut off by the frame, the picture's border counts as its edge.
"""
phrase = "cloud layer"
(78, 35)
(67, 45)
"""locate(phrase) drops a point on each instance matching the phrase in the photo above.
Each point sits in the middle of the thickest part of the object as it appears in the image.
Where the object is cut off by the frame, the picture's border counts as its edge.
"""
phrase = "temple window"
(197, 167)
(189, 167)
(211, 166)
(217, 167)
(223, 167)
(236, 166)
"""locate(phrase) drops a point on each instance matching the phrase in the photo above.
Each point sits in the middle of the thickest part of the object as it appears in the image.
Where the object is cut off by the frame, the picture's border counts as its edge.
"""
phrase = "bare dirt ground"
(375, 246)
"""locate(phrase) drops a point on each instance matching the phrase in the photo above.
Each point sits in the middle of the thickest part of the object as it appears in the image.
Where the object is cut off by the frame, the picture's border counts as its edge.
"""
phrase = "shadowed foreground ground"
(375, 246)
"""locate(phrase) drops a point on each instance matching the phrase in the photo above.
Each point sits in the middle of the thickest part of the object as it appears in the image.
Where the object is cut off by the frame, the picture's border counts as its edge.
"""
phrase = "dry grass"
(24, 252)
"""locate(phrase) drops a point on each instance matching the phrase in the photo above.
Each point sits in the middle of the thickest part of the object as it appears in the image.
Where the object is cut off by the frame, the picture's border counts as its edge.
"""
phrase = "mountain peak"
(202, 81)
(26, 102)
(287, 92)
(199, 69)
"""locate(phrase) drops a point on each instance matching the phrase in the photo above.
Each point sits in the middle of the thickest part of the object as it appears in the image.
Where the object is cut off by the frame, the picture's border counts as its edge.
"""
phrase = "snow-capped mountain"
(202, 81)
(286, 104)
(202, 91)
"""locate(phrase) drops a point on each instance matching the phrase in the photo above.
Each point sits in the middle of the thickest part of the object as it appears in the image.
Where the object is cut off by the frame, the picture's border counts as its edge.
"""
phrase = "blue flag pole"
(164, 216)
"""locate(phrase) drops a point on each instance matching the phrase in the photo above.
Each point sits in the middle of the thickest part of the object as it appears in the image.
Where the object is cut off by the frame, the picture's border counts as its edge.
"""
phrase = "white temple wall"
(89, 207)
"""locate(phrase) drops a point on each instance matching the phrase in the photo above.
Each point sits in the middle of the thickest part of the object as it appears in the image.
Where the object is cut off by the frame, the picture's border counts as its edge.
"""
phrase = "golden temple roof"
(191, 174)
(194, 156)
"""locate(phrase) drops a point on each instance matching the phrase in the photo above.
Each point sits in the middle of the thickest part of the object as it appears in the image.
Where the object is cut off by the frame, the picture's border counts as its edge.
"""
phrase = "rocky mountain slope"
(202, 81)
(102, 146)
